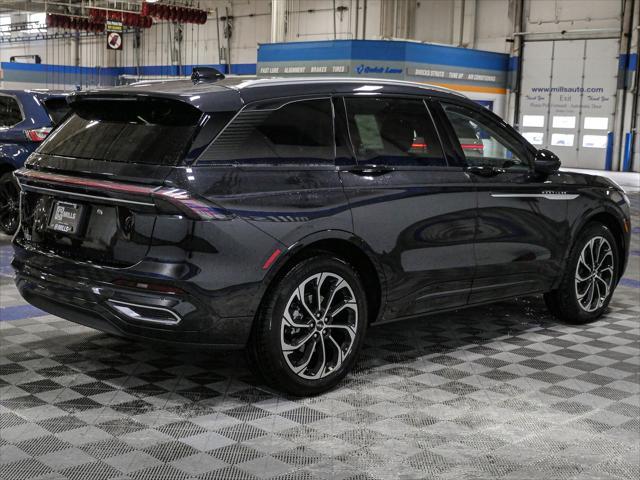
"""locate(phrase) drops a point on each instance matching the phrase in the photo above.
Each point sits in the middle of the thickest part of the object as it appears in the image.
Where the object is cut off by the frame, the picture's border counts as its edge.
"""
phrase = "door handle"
(372, 170)
(485, 171)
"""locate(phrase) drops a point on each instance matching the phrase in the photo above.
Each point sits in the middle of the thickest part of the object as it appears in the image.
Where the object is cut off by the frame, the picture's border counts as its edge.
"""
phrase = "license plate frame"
(66, 217)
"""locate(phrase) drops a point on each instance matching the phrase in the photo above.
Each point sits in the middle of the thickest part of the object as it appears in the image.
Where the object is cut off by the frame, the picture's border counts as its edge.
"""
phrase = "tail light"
(166, 199)
(37, 134)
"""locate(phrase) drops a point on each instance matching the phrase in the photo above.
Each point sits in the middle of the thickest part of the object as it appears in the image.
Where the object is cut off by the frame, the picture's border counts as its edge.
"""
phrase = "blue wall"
(459, 68)
(398, 51)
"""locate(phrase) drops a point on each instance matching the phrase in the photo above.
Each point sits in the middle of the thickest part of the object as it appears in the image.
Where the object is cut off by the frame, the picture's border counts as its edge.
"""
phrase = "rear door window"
(150, 131)
(287, 132)
(10, 113)
(393, 131)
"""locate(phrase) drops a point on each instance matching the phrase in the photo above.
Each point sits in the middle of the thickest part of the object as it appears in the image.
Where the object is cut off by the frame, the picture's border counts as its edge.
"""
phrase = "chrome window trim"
(547, 196)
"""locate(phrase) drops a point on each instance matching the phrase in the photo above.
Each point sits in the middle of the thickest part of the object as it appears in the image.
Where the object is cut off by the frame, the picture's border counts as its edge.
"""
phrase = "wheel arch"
(343, 245)
(616, 225)
(14, 155)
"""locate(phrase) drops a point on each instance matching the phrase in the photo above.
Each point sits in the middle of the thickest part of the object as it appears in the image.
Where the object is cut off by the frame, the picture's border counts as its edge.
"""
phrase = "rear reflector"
(153, 287)
(276, 253)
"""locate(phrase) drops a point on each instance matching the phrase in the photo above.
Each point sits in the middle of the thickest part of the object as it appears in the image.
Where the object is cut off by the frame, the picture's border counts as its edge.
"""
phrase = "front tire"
(9, 204)
(311, 326)
(590, 277)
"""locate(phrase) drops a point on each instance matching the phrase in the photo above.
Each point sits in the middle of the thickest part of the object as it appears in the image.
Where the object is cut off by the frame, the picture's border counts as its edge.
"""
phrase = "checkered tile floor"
(503, 391)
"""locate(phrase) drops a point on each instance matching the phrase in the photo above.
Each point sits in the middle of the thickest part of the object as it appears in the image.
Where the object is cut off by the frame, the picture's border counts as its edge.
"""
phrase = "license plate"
(66, 218)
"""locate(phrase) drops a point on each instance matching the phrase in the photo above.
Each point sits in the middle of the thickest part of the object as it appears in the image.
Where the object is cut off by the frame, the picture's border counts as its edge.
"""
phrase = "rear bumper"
(182, 319)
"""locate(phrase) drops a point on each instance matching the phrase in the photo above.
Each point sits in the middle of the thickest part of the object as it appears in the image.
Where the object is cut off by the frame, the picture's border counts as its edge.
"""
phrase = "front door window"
(482, 141)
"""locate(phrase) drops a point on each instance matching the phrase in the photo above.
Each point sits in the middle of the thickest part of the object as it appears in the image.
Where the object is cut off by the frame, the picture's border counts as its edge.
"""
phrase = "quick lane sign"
(363, 69)
(302, 69)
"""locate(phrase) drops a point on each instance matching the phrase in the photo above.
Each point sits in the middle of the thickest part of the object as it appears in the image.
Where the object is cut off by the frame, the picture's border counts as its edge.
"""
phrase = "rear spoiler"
(106, 190)
(206, 97)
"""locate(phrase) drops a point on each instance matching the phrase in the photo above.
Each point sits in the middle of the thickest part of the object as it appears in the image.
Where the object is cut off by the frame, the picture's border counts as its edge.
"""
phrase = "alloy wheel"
(594, 274)
(319, 325)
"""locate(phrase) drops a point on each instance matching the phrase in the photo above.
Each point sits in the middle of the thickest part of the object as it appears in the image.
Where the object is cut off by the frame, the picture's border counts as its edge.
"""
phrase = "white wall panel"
(556, 15)
(493, 25)
(434, 21)
(313, 20)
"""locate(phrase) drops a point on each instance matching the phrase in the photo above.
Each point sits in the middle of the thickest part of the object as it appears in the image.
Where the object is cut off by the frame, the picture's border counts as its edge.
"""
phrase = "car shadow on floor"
(145, 377)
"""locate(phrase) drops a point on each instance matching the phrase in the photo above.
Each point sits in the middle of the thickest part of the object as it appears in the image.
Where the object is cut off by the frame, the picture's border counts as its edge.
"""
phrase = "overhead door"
(568, 98)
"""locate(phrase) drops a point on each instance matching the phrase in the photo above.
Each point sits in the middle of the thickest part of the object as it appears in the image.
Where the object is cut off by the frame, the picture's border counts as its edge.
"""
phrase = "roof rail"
(265, 81)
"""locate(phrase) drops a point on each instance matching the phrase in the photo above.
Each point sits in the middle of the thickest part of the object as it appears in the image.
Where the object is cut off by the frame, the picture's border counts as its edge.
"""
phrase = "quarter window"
(482, 141)
(393, 131)
(296, 131)
(10, 113)
(57, 109)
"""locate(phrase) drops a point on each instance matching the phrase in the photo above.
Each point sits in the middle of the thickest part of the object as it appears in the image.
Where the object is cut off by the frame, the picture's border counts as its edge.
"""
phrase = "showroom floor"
(502, 391)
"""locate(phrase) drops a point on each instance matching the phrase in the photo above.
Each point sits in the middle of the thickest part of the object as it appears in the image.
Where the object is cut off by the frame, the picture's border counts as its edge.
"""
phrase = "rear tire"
(9, 203)
(589, 279)
(310, 328)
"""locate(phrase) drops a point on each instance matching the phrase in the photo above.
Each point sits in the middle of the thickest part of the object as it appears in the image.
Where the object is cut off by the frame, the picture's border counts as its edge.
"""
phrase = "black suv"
(288, 215)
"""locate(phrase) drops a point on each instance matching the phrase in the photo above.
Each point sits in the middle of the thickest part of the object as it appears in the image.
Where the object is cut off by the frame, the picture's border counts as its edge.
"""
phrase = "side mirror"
(546, 162)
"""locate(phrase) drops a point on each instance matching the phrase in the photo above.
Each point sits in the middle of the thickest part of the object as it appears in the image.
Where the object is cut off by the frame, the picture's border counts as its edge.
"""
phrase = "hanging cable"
(198, 45)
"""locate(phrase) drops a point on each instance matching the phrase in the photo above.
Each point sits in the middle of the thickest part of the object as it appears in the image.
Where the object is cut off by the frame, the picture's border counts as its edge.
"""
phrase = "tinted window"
(294, 131)
(10, 113)
(151, 131)
(57, 108)
(482, 140)
(393, 131)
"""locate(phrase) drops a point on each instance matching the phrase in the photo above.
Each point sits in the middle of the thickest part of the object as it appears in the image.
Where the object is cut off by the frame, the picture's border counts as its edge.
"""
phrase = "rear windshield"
(58, 109)
(129, 130)
(10, 113)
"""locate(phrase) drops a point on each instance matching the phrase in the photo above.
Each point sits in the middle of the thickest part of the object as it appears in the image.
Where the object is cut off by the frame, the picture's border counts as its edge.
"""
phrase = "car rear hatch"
(92, 192)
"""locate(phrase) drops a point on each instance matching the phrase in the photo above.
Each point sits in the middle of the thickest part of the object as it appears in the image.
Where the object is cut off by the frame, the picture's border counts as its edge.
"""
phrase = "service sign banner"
(475, 71)
(114, 35)
(303, 68)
